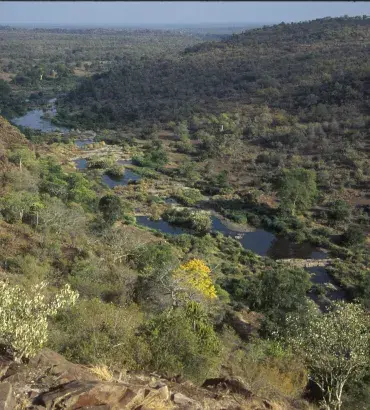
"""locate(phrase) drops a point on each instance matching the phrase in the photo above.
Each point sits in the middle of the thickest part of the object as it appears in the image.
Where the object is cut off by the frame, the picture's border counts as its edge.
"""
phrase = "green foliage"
(188, 197)
(297, 190)
(23, 156)
(183, 343)
(353, 236)
(16, 205)
(24, 316)
(155, 158)
(335, 346)
(275, 290)
(339, 211)
(93, 332)
(100, 162)
(155, 259)
(199, 221)
(111, 208)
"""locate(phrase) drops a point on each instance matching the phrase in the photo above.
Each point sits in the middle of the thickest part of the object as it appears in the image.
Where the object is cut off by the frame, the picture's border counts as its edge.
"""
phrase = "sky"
(120, 14)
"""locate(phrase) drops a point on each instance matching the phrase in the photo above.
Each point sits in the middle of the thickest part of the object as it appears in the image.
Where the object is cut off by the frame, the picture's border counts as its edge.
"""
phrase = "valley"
(199, 206)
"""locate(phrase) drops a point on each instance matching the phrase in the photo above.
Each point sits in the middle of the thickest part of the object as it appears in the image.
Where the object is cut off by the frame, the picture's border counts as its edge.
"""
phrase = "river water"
(34, 119)
(261, 242)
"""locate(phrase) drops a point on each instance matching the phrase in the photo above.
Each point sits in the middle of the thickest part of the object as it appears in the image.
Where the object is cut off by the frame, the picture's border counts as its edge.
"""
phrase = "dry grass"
(102, 372)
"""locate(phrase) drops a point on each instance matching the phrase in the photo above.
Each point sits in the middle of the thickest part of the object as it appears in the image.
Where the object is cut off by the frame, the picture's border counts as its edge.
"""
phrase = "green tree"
(353, 236)
(111, 208)
(297, 190)
(15, 205)
(183, 342)
(24, 316)
(335, 346)
(339, 211)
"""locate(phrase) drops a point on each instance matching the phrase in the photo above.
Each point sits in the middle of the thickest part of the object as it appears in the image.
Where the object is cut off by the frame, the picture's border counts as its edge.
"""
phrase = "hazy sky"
(147, 13)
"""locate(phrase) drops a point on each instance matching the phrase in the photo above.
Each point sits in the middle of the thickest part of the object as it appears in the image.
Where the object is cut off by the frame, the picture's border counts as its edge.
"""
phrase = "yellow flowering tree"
(194, 277)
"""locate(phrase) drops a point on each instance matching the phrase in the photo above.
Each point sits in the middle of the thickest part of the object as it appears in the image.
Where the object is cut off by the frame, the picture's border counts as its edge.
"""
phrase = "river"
(34, 119)
(261, 242)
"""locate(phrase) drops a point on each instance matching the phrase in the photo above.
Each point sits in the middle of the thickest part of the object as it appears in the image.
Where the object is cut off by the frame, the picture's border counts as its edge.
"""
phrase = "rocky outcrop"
(7, 401)
(50, 382)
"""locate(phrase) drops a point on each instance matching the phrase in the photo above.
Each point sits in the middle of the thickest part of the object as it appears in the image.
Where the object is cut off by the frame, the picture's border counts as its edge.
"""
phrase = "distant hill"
(296, 67)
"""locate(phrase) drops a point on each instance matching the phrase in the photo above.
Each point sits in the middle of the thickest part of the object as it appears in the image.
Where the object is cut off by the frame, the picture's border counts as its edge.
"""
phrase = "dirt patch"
(6, 76)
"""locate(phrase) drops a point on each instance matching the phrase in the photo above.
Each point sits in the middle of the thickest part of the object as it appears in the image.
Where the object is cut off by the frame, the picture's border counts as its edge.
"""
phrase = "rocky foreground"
(49, 381)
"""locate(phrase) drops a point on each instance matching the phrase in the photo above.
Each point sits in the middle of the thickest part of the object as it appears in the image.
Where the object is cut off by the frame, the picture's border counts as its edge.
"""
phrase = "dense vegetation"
(292, 67)
(61, 58)
(269, 128)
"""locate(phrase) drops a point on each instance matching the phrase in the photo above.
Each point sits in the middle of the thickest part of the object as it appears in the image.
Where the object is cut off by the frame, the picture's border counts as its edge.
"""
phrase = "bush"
(354, 235)
(96, 333)
(115, 171)
(100, 162)
(111, 208)
(199, 221)
(155, 158)
(339, 211)
(183, 343)
(24, 316)
(188, 197)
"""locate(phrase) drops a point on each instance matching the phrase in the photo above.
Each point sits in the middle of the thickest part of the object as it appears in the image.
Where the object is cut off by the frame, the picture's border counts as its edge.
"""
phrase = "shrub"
(188, 197)
(354, 235)
(24, 316)
(115, 171)
(184, 343)
(98, 333)
(100, 162)
(199, 221)
(339, 211)
(111, 208)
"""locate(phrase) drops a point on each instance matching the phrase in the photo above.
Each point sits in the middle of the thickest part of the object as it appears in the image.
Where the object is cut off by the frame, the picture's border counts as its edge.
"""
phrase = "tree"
(193, 278)
(23, 316)
(183, 342)
(354, 235)
(111, 208)
(15, 205)
(297, 190)
(335, 347)
(339, 211)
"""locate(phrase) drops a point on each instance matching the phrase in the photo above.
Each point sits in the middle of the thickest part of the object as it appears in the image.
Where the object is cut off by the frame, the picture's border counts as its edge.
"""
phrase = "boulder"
(57, 365)
(235, 385)
(185, 402)
(7, 401)
(100, 395)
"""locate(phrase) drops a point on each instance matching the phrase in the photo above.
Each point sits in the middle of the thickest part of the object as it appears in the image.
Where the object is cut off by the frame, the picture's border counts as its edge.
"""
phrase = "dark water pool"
(160, 225)
(33, 119)
(81, 163)
(127, 176)
(123, 180)
(261, 242)
(83, 143)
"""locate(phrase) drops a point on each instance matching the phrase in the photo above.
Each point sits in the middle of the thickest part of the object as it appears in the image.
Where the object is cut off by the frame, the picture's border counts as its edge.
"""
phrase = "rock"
(234, 385)
(164, 393)
(181, 400)
(60, 367)
(95, 395)
(7, 401)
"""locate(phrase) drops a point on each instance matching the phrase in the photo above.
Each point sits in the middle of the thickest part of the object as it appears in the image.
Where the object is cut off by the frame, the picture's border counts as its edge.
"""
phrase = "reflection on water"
(81, 163)
(83, 143)
(320, 276)
(33, 119)
(122, 180)
(111, 181)
(160, 225)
